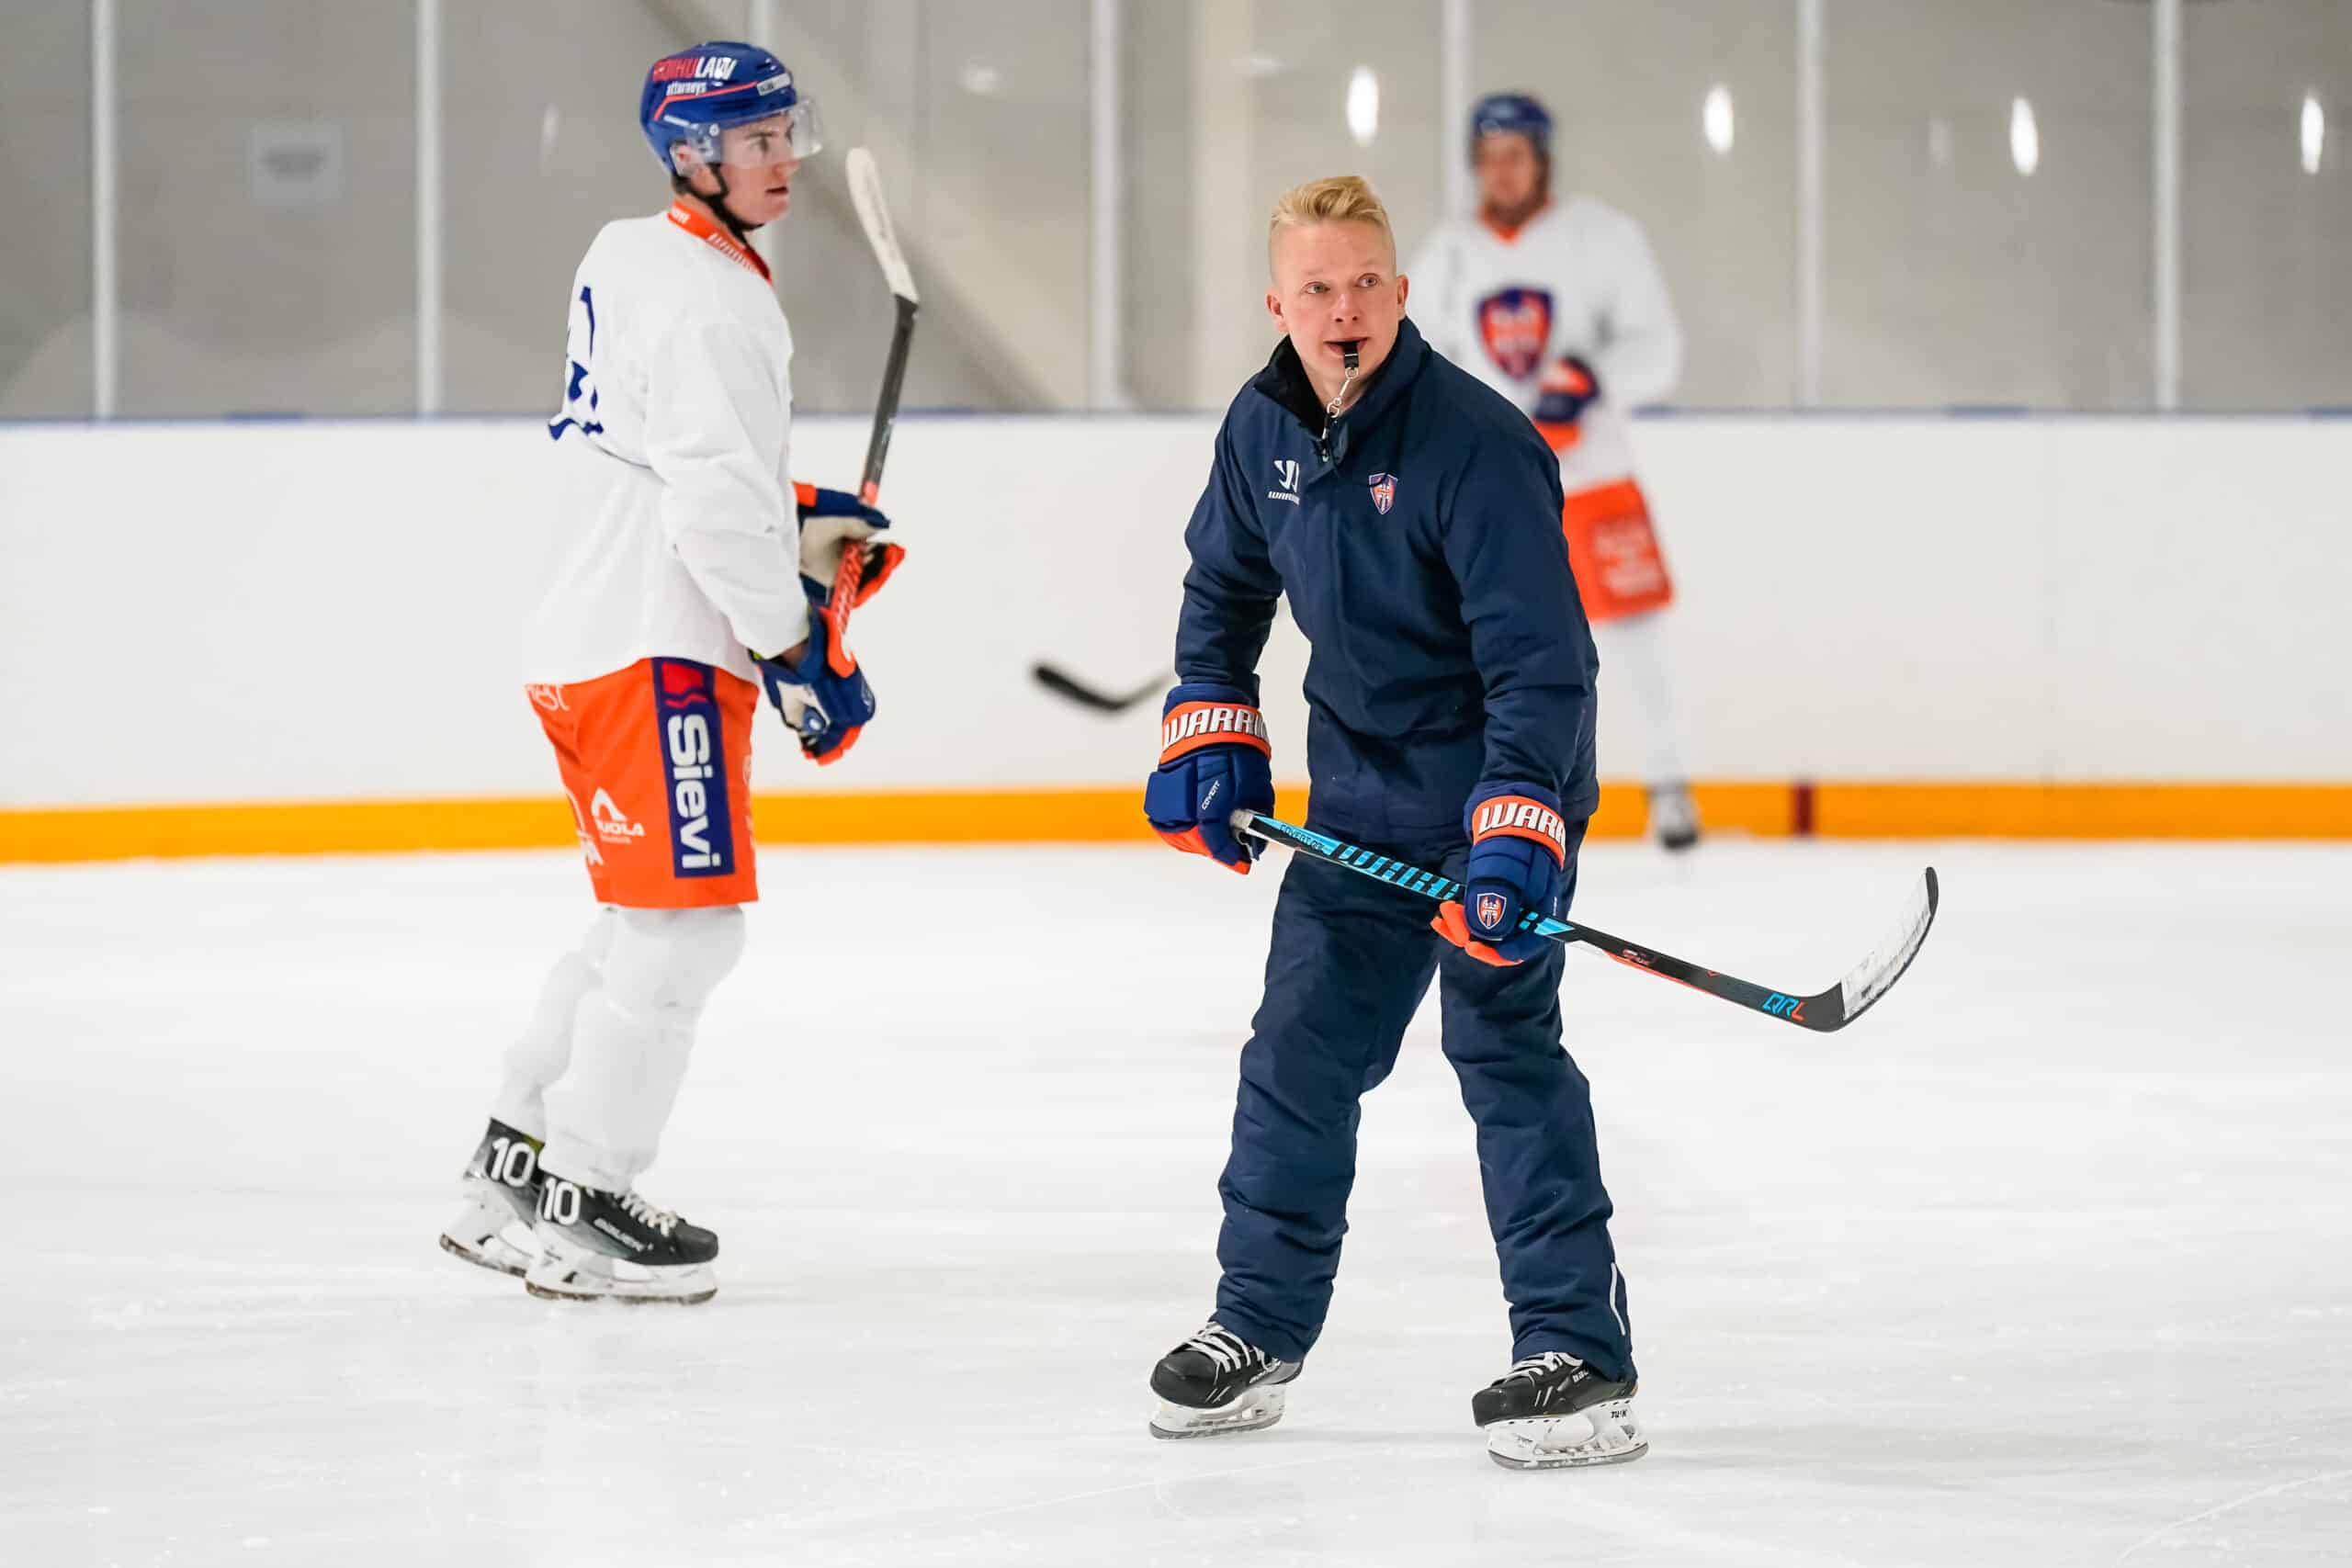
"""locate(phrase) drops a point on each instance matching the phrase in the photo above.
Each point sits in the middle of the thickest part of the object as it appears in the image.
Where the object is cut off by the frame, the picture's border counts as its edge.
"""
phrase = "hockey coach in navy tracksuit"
(1413, 517)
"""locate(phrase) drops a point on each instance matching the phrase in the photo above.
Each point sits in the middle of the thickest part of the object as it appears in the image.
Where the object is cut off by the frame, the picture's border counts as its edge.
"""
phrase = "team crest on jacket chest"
(1516, 324)
(1383, 492)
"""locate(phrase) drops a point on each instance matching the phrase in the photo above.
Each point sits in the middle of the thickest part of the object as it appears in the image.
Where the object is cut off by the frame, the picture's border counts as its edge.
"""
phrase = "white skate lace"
(652, 1215)
(1535, 1366)
(1223, 1347)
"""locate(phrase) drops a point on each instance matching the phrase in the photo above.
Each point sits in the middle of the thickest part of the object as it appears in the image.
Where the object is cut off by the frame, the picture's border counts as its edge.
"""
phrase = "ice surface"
(2048, 1260)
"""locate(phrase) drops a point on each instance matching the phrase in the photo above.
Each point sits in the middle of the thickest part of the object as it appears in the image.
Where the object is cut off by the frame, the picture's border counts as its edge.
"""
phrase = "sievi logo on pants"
(694, 755)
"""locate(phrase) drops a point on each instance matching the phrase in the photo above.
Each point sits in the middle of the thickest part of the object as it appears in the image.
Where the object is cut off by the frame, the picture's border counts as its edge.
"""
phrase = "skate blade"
(492, 1253)
(489, 1233)
(554, 1279)
(1252, 1410)
(1606, 1433)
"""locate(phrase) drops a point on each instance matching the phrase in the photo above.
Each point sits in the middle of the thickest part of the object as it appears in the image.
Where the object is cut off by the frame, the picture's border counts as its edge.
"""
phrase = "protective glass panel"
(1227, 105)
(978, 119)
(45, 183)
(2267, 204)
(1988, 204)
(541, 149)
(1683, 118)
(268, 207)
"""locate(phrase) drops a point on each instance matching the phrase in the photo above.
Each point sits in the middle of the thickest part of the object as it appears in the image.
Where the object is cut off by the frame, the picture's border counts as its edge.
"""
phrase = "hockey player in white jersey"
(1559, 307)
(684, 568)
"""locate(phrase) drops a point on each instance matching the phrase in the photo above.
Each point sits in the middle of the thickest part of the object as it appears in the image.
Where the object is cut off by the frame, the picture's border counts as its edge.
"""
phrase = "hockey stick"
(1823, 1011)
(1086, 696)
(873, 216)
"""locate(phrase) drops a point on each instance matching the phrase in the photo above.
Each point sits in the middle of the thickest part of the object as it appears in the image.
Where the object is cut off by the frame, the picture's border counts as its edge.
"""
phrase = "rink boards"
(1107, 816)
(262, 636)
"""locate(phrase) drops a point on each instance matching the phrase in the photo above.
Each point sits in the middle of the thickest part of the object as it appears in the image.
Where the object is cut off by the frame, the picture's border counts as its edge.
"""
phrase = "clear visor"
(790, 133)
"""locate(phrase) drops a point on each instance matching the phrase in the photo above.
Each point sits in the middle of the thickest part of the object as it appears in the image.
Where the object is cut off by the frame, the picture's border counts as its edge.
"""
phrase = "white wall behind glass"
(1303, 62)
(1157, 240)
(542, 149)
(976, 115)
(1629, 83)
(1969, 261)
(539, 150)
(1229, 104)
(268, 205)
(45, 187)
(267, 188)
(2266, 194)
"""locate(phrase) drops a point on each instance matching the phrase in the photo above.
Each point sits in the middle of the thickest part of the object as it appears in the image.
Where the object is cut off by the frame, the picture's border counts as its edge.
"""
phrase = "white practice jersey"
(675, 535)
(1575, 278)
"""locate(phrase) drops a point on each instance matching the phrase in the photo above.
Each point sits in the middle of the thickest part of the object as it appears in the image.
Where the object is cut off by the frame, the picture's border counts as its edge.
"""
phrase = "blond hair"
(1343, 199)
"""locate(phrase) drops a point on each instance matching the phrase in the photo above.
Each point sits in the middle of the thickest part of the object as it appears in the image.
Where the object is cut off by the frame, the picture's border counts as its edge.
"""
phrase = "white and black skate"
(1217, 1381)
(1674, 817)
(599, 1245)
(500, 1194)
(1551, 1412)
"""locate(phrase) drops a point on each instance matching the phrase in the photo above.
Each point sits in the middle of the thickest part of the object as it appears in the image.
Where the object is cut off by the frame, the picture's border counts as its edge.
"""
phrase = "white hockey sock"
(538, 1055)
(1633, 666)
(630, 1040)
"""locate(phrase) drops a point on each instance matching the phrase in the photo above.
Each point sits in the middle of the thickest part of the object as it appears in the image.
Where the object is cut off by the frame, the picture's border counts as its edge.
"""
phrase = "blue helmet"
(693, 95)
(1515, 114)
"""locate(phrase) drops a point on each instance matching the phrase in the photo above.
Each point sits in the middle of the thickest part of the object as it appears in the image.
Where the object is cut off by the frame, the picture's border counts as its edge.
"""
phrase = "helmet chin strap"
(718, 204)
(726, 214)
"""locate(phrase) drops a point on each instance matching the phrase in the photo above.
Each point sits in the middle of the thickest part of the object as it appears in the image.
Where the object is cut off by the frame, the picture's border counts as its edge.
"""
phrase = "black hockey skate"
(1551, 1412)
(600, 1246)
(500, 1189)
(1217, 1381)
(1674, 818)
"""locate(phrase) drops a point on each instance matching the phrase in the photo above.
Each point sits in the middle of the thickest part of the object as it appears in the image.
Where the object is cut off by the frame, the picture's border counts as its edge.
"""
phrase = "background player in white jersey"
(684, 567)
(1560, 308)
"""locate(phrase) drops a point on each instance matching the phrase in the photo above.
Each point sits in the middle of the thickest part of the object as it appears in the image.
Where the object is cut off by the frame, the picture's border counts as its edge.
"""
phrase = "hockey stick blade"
(1824, 1011)
(1086, 696)
(873, 216)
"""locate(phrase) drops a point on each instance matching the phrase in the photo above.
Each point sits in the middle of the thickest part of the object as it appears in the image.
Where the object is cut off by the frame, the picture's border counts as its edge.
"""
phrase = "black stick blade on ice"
(1824, 1011)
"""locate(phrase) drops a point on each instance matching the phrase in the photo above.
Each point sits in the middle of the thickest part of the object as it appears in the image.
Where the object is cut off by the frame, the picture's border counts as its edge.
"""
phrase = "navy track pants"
(1350, 961)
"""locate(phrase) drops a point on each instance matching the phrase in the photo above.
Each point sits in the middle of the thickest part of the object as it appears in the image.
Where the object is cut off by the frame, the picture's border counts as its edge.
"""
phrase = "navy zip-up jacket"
(1420, 546)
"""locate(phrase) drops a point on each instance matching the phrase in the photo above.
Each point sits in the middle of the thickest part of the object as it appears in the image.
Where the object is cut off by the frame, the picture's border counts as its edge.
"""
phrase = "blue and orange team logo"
(1516, 324)
(1383, 492)
(1490, 909)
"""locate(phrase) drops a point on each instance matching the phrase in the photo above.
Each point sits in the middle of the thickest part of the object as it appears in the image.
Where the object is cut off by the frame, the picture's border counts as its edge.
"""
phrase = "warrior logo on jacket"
(1516, 324)
(1383, 492)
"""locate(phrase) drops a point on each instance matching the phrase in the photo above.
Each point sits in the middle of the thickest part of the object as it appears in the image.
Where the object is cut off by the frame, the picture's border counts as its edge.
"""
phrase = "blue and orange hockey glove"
(1569, 387)
(1518, 848)
(834, 522)
(1214, 759)
(827, 708)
